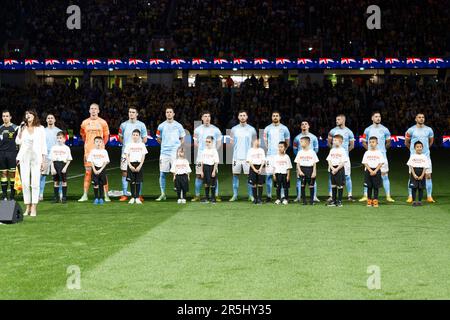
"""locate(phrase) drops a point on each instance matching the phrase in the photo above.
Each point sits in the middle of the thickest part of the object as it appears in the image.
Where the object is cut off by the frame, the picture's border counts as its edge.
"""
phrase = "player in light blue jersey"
(274, 133)
(348, 145)
(200, 134)
(421, 132)
(315, 146)
(170, 134)
(50, 136)
(125, 133)
(384, 142)
(242, 136)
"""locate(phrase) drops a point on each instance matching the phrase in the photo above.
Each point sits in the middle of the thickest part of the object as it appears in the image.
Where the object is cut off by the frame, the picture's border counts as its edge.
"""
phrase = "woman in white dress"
(31, 159)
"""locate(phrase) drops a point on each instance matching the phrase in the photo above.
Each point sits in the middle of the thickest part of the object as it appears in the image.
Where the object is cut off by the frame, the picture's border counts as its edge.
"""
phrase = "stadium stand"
(227, 28)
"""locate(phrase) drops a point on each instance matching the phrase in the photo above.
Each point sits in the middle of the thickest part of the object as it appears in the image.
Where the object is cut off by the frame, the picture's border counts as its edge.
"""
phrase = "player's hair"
(50, 114)
(36, 121)
(210, 137)
(134, 108)
(276, 111)
(94, 104)
(61, 134)
(373, 138)
(242, 111)
(338, 136)
(169, 106)
(205, 112)
(418, 142)
(375, 112)
(284, 144)
(98, 138)
(420, 113)
(136, 131)
(6, 111)
(306, 139)
(304, 121)
(341, 115)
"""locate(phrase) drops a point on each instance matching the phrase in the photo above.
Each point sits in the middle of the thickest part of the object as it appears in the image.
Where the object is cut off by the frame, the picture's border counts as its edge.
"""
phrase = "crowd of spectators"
(116, 28)
(397, 99)
(230, 28)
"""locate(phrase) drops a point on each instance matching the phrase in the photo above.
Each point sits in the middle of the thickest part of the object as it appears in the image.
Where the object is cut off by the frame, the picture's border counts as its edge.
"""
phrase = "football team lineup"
(270, 166)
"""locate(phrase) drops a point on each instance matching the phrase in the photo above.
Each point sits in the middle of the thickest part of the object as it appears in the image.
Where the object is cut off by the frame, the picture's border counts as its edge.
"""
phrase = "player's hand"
(202, 175)
(373, 173)
(287, 179)
(64, 170)
(313, 176)
(213, 174)
(54, 172)
(302, 174)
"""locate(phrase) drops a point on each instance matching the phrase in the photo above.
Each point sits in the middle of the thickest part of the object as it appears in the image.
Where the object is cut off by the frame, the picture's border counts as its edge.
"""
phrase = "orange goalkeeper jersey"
(91, 129)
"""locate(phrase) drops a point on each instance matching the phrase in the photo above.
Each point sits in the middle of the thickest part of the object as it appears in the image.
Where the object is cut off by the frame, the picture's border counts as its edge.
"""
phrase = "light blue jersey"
(381, 133)
(420, 134)
(126, 131)
(346, 133)
(314, 142)
(273, 135)
(50, 137)
(242, 136)
(202, 132)
(170, 134)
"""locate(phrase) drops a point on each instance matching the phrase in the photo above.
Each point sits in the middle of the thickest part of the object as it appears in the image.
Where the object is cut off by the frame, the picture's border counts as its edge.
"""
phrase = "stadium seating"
(227, 28)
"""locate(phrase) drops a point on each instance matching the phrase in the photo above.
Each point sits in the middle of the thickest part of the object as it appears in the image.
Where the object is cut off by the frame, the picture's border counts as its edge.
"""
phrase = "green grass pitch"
(232, 250)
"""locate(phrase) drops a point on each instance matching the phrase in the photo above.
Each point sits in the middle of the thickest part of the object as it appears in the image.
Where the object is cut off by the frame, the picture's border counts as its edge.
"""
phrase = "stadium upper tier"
(225, 29)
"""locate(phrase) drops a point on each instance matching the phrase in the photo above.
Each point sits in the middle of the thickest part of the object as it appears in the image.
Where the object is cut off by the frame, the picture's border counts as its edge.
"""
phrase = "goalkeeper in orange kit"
(92, 127)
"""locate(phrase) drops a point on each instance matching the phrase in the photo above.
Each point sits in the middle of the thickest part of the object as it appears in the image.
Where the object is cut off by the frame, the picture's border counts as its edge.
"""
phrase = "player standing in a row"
(418, 164)
(348, 144)
(373, 160)
(256, 158)
(59, 158)
(337, 161)
(209, 162)
(92, 127)
(125, 137)
(242, 136)
(200, 134)
(8, 154)
(50, 136)
(383, 143)
(306, 160)
(134, 153)
(274, 133)
(424, 134)
(170, 135)
(313, 145)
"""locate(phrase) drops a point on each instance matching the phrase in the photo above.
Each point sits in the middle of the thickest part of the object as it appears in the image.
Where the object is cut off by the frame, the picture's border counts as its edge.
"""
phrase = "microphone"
(22, 124)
